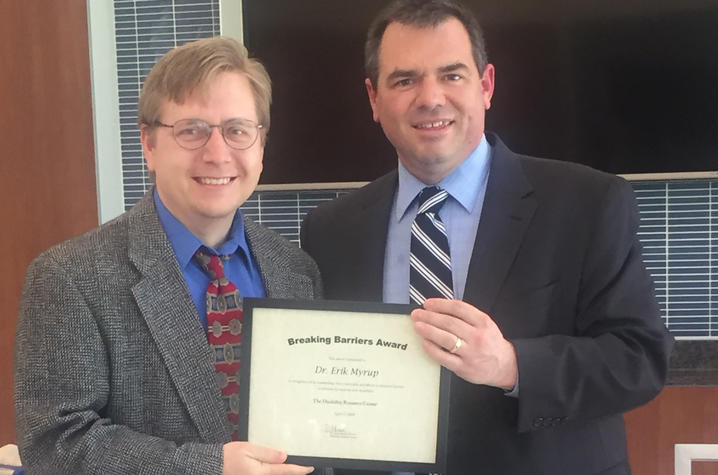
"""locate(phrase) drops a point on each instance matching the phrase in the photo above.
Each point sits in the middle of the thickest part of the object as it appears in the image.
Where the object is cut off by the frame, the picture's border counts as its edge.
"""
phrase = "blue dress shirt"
(460, 214)
(241, 269)
(466, 187)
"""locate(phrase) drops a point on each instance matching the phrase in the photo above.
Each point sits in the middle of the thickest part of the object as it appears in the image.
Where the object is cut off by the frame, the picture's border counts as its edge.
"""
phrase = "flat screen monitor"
(624, 87)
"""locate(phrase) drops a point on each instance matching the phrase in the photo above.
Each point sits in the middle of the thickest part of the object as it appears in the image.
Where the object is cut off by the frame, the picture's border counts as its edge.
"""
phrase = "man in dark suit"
(549, 322)
(114, 372)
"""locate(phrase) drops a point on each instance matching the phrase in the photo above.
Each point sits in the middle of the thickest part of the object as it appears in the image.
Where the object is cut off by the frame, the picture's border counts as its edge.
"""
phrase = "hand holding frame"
(466, 341)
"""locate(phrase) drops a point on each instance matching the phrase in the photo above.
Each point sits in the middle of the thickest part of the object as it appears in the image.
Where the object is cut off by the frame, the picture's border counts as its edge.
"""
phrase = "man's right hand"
(244, 458)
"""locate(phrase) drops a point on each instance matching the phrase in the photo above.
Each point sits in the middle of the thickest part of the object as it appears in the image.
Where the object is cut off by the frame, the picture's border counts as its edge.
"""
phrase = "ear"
(371, 92)
(487, 84)
(261, 156)
(147, 138)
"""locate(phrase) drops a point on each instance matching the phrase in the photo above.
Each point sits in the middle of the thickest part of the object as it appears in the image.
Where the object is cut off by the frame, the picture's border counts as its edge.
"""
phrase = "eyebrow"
(411, 73)
(453, 67)
(402, 73)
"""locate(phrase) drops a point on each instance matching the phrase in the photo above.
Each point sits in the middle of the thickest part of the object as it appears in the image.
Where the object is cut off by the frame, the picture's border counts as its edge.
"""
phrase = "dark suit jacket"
(557, 265)
(113, 372)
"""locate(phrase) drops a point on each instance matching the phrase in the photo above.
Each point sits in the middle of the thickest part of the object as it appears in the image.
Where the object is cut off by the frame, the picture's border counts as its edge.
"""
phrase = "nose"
(216, 149)
(430, 93)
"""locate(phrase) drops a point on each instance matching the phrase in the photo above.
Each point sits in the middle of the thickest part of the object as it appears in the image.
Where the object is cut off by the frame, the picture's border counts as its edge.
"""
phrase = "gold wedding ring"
(457, 345)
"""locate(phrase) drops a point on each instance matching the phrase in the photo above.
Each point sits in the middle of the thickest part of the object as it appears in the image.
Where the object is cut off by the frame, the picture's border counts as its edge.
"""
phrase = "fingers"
(438, 353)
(443, 321)
(466, 341)
(265, 454)
(245, 458)
(443, 339)
(434, 309)
(273, 461)
(286, 469)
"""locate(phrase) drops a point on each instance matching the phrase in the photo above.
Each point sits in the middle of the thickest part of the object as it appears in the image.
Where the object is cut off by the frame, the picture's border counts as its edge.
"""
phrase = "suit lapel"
(276, 270)
(508, 208)
(170, 314)
(369, 247)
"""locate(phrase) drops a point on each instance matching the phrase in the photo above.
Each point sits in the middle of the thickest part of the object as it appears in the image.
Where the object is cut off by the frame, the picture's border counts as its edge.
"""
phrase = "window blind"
(144, 31)
(680, 249)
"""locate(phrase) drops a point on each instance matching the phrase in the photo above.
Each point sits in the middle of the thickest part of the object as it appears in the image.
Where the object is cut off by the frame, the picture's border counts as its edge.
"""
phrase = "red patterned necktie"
(224, 330)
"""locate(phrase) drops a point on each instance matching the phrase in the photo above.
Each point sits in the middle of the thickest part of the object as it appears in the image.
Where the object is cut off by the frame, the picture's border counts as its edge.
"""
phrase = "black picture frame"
(256, 311)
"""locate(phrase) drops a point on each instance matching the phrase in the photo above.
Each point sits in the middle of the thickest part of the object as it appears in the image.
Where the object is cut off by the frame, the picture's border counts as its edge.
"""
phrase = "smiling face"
(203, 188)
(430, 98)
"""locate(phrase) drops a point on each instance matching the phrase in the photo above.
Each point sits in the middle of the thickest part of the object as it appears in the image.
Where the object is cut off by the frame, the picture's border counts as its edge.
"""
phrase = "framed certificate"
(342, 384)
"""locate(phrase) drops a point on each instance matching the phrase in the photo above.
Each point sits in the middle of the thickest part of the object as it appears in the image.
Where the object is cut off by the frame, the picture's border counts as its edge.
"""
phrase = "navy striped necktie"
(429, 260)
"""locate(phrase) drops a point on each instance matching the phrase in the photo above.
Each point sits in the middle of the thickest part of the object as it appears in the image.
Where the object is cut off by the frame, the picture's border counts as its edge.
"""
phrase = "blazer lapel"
(372, 219)
(165, 304)
(274, 266)
(506, 214)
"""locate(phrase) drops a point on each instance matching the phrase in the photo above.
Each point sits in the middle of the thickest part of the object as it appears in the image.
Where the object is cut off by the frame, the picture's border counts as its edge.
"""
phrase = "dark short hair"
(421, 14)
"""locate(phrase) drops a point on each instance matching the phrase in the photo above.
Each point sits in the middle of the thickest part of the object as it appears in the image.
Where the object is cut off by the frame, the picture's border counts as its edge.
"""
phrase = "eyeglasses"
(192, 134)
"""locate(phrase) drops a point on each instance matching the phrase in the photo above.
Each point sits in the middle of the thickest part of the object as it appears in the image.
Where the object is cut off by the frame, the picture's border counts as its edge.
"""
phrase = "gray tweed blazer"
(113, 373)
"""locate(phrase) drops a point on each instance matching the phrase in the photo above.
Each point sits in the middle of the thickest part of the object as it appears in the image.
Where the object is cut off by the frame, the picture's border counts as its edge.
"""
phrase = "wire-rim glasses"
(191, 134)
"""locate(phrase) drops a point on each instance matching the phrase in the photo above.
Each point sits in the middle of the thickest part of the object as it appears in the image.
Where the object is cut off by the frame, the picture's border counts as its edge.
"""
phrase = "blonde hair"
(191, 67)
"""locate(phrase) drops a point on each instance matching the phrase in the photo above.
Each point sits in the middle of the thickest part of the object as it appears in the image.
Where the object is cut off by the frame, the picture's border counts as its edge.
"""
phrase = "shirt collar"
(185, 244)
(461, 184)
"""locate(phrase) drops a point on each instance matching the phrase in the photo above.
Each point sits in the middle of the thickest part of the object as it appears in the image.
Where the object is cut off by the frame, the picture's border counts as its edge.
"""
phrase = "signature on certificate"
(338, 431)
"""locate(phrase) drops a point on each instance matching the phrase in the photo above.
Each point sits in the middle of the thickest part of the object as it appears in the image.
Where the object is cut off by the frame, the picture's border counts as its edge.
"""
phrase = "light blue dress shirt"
(461, 212)
(241, 269)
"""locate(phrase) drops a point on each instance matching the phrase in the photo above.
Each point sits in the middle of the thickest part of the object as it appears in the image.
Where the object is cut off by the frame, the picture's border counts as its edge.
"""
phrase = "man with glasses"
(128, 336)
(546, 317)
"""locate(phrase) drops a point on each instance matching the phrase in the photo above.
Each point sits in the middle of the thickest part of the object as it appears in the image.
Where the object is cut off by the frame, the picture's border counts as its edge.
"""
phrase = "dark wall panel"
(626, 87)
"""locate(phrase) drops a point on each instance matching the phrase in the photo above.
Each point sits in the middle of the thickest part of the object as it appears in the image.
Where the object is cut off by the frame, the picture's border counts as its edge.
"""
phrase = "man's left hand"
(467, 341)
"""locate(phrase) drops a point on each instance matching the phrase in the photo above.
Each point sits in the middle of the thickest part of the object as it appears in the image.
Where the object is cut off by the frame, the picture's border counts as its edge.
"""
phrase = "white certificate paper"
(340, 382)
